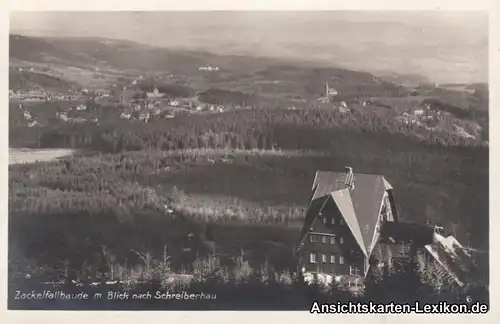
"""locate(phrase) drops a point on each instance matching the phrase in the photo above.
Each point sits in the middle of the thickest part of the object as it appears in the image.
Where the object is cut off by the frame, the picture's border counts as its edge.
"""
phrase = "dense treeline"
(77, 201)
(237, 285)
(248, 129)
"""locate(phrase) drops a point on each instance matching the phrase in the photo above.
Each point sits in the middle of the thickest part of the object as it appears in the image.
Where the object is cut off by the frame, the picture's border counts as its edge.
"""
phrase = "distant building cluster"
(155, 94)
(30, 95)
(329, 94)
(64, 117)
(209, 68)
(430, 118)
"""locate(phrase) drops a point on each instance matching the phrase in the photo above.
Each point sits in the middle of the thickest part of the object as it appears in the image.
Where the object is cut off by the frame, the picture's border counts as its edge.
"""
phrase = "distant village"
(131, 105)
(422, 115)
(153, 104)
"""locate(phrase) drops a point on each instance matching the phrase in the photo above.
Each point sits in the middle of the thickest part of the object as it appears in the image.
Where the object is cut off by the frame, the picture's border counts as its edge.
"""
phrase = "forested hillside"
(264, 129)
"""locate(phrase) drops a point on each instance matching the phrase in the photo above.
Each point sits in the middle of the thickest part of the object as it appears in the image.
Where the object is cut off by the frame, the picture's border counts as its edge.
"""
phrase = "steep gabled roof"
(344, 203)
(367, 199)
(359, 207)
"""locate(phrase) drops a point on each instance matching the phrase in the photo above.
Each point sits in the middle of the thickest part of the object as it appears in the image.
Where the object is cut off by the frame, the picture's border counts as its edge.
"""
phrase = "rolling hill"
(119, 54)
(77, 61)
(26, 80)
(251, 74)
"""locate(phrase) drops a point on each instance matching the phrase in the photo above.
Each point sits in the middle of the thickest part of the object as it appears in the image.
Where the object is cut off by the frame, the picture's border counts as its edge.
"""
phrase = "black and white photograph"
(248, 160)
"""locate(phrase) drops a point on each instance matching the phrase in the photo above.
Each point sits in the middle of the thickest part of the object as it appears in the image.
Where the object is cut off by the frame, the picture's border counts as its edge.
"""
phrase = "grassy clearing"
(22, 156)
(208, 208)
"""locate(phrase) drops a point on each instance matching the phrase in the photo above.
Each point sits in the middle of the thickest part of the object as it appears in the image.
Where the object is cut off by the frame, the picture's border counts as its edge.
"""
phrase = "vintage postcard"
(327, 161)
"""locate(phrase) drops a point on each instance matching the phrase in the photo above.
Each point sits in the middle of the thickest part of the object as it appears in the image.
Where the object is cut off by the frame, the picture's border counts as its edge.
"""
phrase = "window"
(353, 271)
(333, 220)
(341, 240)
(332, 258)
(323, 258)
(341, 221)
(341, 259)
(324, 239)
(332, 239)
(325, 220)
(313, 238)
(312, 257)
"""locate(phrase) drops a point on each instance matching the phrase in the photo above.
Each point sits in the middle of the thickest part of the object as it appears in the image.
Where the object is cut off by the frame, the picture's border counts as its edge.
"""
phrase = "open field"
(22, 156)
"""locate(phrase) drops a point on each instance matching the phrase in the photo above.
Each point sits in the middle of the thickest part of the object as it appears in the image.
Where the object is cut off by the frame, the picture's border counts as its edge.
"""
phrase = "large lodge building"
(343, 222)
(352, 223)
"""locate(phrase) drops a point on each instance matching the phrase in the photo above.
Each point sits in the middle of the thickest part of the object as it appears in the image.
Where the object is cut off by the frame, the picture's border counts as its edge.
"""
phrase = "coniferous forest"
(135, 191)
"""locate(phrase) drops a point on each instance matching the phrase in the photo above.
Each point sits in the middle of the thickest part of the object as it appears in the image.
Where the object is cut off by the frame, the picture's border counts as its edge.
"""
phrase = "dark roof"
(453, 257)
(359, 207)
(313, 211)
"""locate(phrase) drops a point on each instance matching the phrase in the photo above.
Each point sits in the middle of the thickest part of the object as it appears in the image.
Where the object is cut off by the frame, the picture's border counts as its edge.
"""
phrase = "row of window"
(314, 238)
(332, 220)
(353, 271)
(325, 259)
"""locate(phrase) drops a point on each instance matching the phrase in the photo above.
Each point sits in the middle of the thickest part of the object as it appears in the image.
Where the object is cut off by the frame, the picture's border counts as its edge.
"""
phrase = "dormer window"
(313, 238)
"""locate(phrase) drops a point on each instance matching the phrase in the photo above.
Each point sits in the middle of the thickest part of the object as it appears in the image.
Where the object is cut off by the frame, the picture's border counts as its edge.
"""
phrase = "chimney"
(349, 178)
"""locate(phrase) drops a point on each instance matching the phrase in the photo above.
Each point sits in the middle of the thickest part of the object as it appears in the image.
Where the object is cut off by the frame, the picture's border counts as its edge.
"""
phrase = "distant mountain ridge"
(123, 55)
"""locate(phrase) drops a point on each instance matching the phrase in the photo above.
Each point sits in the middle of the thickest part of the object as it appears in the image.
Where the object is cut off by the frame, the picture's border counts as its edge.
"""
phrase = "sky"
(442, 46)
